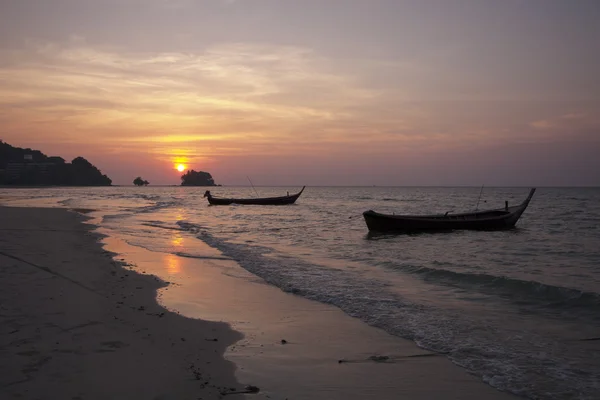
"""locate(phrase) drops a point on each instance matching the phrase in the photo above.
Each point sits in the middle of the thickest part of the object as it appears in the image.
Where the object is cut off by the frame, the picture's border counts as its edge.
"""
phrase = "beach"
(299, 200)
(76, 325)
(82, 321)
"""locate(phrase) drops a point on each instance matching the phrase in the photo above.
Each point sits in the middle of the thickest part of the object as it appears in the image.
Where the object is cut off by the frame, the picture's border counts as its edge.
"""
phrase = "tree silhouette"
(83, 173)
(200, 178)
(39, 169)
(140, 182)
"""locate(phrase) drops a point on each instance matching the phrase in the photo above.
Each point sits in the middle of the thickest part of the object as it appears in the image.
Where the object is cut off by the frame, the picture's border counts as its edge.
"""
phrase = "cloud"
(227, 100)
(573, 124)
(572, 116)
(234, 79)
(542, 124)
(238, 99)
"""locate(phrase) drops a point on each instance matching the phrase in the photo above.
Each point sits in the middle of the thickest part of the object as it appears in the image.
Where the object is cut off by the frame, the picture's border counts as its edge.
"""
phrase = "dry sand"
(74, 324)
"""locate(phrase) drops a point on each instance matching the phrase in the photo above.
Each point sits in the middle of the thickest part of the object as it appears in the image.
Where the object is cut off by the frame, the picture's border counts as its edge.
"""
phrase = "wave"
(155, 224)
(474, 344)
(188, 226)
(66, 202)
(146, 196)
(388, 199)
(109, 217)
(522, 291)
(199, 257)
(131, 211)
(153, 207)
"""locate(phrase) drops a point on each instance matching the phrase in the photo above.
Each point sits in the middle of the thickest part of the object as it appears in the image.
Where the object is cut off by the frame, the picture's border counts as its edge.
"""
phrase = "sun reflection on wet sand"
(172, 264)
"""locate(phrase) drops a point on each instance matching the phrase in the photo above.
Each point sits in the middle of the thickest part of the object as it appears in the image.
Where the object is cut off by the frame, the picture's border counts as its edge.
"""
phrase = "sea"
(520, 309)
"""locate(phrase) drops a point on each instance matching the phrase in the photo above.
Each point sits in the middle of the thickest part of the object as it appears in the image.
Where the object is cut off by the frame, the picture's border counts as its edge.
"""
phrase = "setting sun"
(180, 167)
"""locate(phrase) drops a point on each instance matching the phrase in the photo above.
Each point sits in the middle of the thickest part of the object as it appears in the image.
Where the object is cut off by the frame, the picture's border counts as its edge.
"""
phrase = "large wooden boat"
(265, 201)
(497, 219)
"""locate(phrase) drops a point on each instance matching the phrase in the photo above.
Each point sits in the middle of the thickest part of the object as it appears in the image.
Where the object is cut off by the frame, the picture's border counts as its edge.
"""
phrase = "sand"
(74, 324)
(317, 336)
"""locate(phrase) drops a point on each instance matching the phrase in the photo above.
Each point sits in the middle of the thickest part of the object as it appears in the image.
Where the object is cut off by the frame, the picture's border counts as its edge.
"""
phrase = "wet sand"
(292, 346)
(75, 324)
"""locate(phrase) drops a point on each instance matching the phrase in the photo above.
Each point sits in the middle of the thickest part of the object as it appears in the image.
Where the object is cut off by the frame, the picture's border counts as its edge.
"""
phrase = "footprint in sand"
(28, 353)
(112, 346)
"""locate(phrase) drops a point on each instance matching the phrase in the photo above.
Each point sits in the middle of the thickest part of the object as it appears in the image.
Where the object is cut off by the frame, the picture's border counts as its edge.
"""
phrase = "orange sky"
(137, 88)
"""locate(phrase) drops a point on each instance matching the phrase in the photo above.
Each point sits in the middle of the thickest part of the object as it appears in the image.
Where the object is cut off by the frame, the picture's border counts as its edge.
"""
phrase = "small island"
(200, 178)
(140, 182)
(27, 167)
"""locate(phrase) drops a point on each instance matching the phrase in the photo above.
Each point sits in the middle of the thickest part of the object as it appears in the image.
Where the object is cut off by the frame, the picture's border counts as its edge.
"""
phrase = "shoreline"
(293, 346)
(76, 324)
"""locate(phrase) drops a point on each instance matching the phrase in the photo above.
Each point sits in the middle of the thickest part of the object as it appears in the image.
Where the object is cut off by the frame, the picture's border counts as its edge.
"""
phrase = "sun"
(180, 167)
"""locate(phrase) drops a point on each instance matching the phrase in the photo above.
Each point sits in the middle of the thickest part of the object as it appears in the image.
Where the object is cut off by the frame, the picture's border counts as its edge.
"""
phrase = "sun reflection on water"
(177, 241)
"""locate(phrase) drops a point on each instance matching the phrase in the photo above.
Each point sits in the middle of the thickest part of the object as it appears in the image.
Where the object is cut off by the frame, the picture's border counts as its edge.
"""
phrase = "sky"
(309, 92)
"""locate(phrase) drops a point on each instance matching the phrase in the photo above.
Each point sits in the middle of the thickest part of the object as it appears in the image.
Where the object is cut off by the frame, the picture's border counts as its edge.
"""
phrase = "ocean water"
(519, 308)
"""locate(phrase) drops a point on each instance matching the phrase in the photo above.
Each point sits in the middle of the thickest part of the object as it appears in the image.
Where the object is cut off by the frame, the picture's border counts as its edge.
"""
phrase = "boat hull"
(266, 201)
(385, 223)
(492, 220)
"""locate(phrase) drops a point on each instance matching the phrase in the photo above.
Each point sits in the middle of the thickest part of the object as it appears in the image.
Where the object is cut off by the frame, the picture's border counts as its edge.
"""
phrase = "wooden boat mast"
(480, 192)
(252, 186)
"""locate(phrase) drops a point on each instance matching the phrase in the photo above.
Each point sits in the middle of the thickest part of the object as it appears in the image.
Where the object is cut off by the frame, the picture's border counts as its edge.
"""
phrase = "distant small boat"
(497, 219)
(265, 201)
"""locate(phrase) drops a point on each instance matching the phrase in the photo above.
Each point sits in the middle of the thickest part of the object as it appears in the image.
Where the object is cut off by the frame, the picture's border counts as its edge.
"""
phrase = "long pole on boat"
(252, 186)
(480, 192)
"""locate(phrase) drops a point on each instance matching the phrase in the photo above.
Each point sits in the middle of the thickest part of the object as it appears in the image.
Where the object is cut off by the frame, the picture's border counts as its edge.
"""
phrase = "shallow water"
(512, 307)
